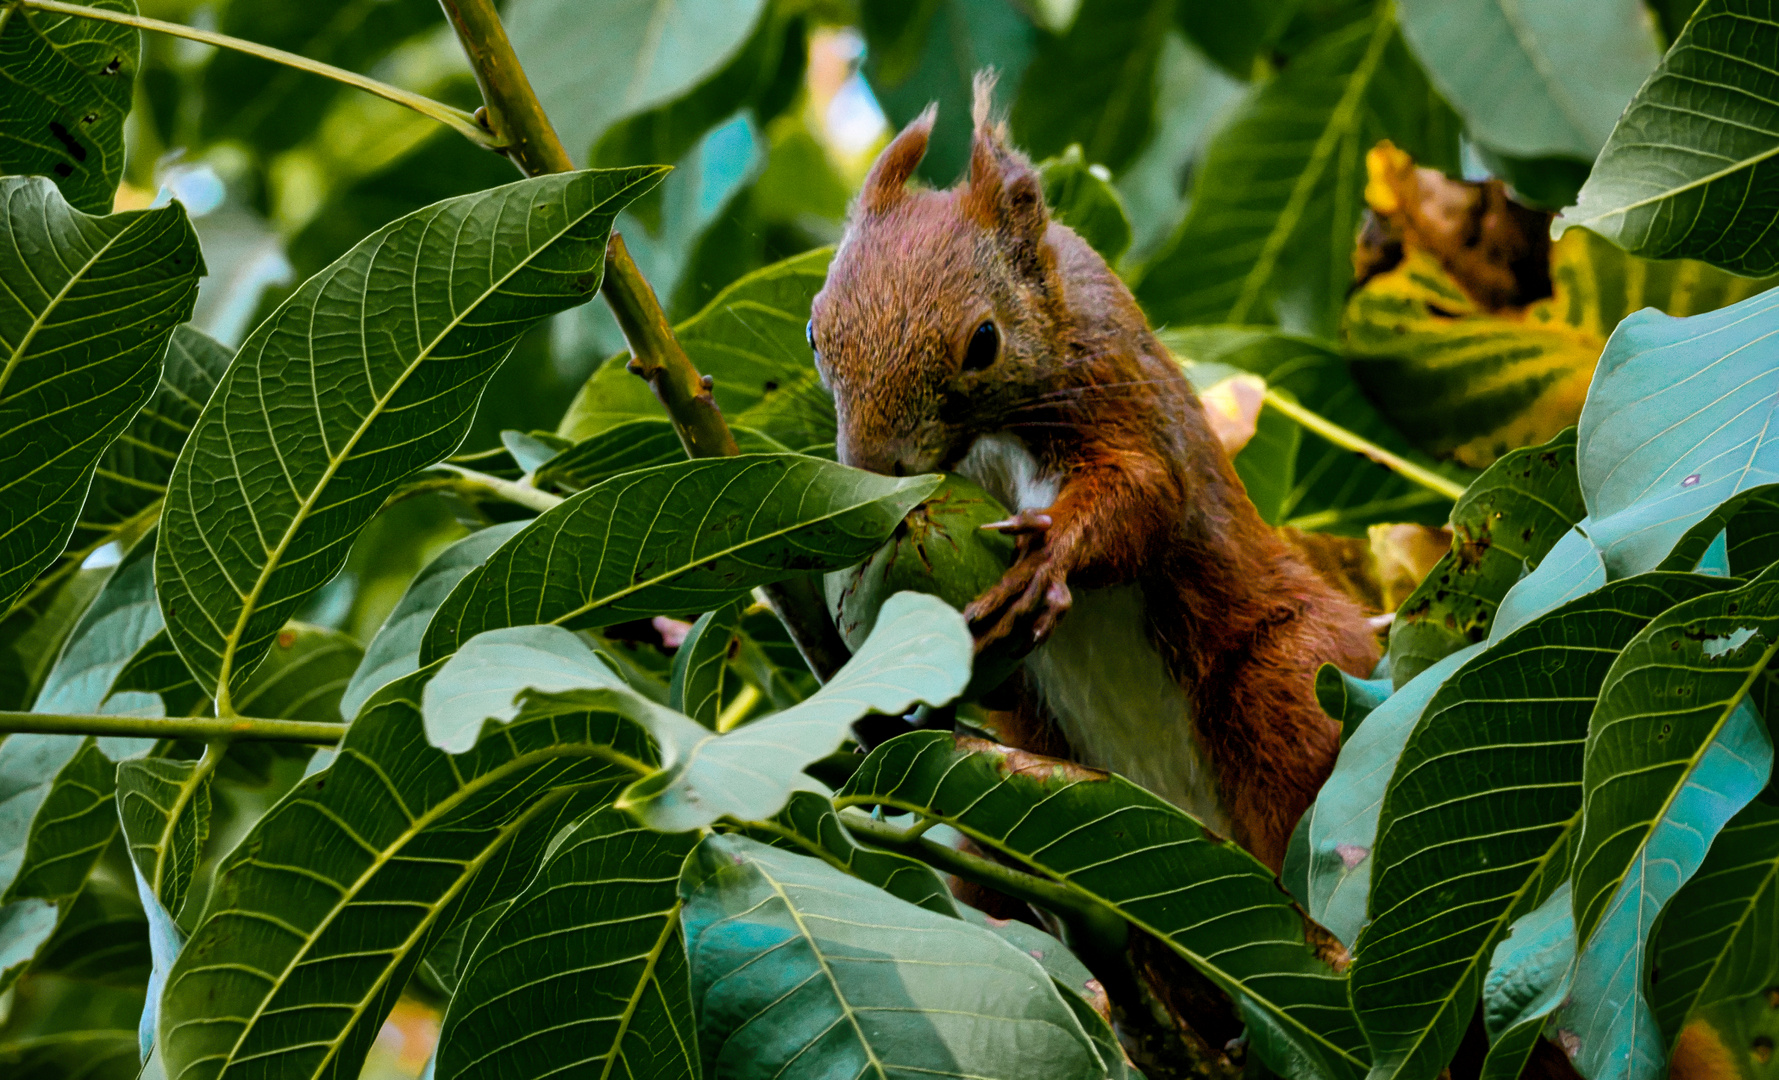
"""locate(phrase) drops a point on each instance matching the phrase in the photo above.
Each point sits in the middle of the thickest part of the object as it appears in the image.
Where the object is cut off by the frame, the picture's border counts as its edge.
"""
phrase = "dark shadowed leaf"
(1719, 940)
(273, 107)
(395, 342)
(1115, 844)
(67, 84)
(1080, 195)
(678, 538)
(917, 54)
(395, 651)
(751, 340)
(1502, 526)
(1476, 823)
(1095, 83)
(585, 970)
(165, 809)
(119, 621)
(87, 306)
(800, 971)
(633, 445)
(1236, 35)
(1689, 169)
(809, 825)
(317, 919)
(701, 665)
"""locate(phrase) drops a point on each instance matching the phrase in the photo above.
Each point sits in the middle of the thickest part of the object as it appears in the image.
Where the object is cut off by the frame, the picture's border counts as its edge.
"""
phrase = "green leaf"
(1277, 198)
(155, 668)
(24, 926)
(1114, 844)
(1534, 81)
(1476, 823)
(1348, 699)
(685, 537)
(585, 970)
(1332, 489)
(809, 825)
(164, 806)
(751, 340)
(321, 913)
(89, 305)
(68, 86)
(1094, 84)
(1607, 1010)
(590, 73)
(395, 651)
(487, 680)
(1082, 197)
(701, 665)
(1529, 975)
(1236, 35)
(919, 652)
(119, 621)
(132, 475)
(56, 815)
(1719, 939)
(1669, 694)
(31, 638)
(1677, 422)
(263, 503)
(1502, 526)
(633, 445)
(272, 106)
(919, 54)
(801, 971)
(1687, 170)
(62, 1027)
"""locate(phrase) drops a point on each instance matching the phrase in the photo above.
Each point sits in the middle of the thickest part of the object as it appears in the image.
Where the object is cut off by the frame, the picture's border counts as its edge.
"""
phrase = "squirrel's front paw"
(1034, 592)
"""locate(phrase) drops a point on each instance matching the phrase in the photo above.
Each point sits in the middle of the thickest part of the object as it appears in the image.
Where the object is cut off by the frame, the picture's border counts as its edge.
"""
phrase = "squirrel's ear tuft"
(1005, 192)
(885, 184)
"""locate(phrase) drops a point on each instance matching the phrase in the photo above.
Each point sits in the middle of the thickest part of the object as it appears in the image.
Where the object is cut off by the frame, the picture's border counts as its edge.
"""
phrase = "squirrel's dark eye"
(809, 332)
(985, 345)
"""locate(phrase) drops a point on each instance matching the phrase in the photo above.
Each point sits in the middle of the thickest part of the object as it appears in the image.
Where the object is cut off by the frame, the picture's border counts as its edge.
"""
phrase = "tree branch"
(172, 727)
(463, 123)
(530, 140)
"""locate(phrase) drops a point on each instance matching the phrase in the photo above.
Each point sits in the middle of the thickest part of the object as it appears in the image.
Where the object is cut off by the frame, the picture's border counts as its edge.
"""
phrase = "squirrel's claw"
(1035, 592)
(1024, 523)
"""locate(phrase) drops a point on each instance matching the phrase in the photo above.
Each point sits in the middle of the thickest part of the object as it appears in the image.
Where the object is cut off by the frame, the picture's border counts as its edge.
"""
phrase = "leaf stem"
(463, 123)
(523, 494)
(171, 727)
(1351, 440)
(530, 140)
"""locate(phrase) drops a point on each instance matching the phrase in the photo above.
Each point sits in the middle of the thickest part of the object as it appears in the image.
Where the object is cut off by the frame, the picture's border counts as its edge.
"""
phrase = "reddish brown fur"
(1147, 497)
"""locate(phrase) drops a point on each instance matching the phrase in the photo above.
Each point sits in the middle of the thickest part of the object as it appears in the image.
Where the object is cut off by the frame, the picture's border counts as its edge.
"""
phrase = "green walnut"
(939, 549)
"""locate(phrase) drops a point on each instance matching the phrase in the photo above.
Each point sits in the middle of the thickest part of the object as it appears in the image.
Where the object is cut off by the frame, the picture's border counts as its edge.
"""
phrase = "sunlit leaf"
(585, 969)
(68, 85)
(85, 313)
(679, 538)
(395, 342)
(801, 971)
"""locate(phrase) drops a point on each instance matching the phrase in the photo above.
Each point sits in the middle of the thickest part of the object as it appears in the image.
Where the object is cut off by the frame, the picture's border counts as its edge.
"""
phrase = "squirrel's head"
(937, 301)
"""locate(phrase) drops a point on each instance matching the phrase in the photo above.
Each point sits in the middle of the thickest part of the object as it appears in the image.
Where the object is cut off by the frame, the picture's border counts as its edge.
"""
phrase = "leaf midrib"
(249, 602)
(37, 323)
(416, 828)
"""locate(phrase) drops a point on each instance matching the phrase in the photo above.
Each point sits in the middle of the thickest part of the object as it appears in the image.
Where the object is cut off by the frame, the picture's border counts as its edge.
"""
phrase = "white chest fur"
(1099, 675)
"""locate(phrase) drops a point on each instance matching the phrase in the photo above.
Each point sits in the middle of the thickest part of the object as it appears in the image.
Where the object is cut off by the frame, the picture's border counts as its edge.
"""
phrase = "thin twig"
(463, 123)
(512, 491)
(171, 727)
(1350, 440)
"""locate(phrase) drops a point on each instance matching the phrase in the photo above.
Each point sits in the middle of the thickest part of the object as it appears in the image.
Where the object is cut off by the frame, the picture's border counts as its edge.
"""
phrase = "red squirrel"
(963, 330)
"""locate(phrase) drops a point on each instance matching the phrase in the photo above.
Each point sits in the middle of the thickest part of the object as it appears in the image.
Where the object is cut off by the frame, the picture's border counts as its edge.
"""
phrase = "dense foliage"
(375, 644)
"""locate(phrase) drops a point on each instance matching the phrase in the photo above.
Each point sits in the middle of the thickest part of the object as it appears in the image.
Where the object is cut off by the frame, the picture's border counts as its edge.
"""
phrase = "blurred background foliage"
(1349, 200)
